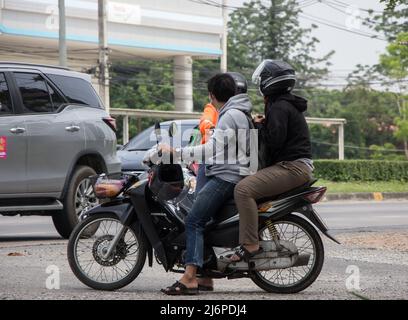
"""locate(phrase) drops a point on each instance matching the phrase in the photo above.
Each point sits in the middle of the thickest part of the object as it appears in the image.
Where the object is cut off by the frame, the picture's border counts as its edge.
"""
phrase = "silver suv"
(54, 134)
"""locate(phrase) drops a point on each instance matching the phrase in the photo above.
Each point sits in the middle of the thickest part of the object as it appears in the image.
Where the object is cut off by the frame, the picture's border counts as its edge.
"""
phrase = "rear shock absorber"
(274, 234)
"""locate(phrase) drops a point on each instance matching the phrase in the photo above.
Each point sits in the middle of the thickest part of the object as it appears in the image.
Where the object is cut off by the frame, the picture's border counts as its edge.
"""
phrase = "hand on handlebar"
(158, 154)
(165, 148)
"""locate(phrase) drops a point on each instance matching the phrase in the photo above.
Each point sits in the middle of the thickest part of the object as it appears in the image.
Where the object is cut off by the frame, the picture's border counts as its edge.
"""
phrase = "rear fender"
(302, 207)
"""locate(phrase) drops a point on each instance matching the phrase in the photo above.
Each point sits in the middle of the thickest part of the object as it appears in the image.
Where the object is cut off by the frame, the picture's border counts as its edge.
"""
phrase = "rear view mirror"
(173, 129)
(157, 131)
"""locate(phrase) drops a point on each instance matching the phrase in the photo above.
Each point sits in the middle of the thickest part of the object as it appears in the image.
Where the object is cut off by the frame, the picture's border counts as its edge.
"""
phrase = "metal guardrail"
(158, 114)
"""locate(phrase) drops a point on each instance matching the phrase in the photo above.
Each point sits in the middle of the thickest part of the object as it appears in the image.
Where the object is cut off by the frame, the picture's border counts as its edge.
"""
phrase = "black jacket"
(284, 136)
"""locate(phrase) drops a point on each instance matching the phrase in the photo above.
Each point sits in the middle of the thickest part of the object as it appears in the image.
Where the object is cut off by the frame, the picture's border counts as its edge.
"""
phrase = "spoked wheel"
(88, 246)
(291, 280)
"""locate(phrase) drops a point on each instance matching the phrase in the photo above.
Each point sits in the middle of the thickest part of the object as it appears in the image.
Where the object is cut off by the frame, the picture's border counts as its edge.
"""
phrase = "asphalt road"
(338, 215)
(28, 245)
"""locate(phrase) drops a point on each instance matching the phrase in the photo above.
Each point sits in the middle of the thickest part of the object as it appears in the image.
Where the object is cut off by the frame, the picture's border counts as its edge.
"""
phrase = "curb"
(375, 196)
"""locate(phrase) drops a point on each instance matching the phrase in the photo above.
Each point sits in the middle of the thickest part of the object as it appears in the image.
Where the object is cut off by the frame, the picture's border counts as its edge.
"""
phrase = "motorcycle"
(108, 248)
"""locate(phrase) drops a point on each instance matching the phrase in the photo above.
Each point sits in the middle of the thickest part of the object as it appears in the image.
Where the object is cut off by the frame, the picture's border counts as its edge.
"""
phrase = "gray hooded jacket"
(226, 153)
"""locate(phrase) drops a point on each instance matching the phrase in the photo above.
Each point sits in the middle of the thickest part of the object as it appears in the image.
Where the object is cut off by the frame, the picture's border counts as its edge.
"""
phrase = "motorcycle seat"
(229, 209)
(287, 194)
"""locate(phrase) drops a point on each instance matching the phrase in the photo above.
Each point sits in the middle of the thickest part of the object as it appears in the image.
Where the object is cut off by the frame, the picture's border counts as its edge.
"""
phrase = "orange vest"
(208, 121)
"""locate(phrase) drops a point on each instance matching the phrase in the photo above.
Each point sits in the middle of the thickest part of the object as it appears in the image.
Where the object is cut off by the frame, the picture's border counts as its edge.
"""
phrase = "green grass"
(364, 186)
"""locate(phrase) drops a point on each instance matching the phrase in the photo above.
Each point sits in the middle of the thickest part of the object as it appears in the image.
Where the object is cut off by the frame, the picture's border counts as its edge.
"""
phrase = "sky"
(350, 49)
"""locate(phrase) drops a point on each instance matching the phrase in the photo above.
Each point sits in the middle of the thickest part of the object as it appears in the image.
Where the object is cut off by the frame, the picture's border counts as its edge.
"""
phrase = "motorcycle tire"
(131, 276)
(312, 275)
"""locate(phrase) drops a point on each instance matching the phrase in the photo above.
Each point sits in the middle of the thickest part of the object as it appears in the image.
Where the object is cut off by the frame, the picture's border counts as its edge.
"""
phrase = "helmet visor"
(256, 76)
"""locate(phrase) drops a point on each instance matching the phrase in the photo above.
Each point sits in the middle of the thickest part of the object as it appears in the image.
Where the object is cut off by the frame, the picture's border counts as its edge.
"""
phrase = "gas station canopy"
(146, 28)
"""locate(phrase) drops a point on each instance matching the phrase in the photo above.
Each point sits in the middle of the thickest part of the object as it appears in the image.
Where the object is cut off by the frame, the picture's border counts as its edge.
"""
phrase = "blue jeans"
(201, 180)
(208, 202)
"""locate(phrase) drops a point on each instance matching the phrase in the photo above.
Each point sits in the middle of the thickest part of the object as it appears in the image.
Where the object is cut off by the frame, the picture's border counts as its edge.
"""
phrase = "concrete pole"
(125, 129)
(224, 39)
(62, 34)
(103, 54)
(183, 83)
(341, 141)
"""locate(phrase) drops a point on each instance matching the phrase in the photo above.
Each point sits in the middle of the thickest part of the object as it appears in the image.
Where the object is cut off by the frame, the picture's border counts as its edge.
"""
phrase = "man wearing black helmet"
(285, 150)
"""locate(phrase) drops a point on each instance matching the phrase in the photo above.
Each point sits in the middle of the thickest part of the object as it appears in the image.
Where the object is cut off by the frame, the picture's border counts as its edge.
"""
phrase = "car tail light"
(315, 196)
(111, 122)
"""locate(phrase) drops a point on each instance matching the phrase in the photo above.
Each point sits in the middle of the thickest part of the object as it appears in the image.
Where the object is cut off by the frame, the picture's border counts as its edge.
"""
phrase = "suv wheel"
(78, 199)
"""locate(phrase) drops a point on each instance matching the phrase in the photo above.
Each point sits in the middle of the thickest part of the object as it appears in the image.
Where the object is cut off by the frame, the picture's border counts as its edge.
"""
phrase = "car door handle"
(72, 128)
(17, 130)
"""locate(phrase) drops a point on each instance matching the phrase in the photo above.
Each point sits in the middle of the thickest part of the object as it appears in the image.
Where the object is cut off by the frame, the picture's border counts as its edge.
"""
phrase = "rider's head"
(240, 82)
(221, 88)
(274, 77)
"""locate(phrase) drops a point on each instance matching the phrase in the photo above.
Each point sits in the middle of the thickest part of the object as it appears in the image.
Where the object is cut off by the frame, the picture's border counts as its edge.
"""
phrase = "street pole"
(103, 54)
(341, 141)
(62, 34)
(224, 39)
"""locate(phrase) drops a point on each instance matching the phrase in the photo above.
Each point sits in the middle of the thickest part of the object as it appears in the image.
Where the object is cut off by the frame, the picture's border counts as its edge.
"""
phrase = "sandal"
(179, 289)
(205, 288)
(244, 255)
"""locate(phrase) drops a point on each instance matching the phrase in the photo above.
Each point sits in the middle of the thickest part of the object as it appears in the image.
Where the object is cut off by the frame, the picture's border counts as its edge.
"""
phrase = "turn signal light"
(111, 122)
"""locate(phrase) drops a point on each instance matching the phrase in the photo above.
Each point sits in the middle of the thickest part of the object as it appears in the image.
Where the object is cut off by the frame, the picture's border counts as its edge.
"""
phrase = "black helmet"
(240, 82)
(274, 77)
(166, 181)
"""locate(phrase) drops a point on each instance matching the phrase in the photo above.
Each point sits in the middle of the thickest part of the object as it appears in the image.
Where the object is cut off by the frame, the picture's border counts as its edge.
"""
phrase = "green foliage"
(370, 118)
(391, 4)
(385, 152)
(390, 22)
(361, 170)
(395, 62)
(363, 186)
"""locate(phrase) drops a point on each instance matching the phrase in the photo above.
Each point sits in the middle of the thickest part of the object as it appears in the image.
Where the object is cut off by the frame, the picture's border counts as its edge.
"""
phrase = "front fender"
(122, 209)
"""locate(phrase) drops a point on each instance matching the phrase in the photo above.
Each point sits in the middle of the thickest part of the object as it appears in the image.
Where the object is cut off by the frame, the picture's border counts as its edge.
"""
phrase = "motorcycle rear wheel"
(279, 280)
(85, 248)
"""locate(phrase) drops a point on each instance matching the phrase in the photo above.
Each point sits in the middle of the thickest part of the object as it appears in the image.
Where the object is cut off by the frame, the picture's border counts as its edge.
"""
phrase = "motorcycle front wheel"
(89, 242)
(294, 279)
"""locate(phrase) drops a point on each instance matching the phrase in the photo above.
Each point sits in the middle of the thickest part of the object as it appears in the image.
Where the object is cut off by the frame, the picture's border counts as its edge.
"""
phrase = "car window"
(5, 100)
(76, 90)
(147, 139)
(34, 92)
(144, 140)
(56, 98)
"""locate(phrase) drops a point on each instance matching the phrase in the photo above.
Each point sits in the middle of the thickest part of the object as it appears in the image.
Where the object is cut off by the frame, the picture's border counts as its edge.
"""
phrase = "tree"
(270, 29)
(391, 4)
(394, 65)
(391, 21)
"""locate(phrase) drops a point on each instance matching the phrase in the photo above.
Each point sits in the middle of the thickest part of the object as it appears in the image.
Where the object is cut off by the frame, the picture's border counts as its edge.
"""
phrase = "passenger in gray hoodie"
(226, 167)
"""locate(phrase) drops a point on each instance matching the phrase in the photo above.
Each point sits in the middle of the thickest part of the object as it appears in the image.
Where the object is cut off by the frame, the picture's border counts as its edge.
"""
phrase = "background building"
(180, 29)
